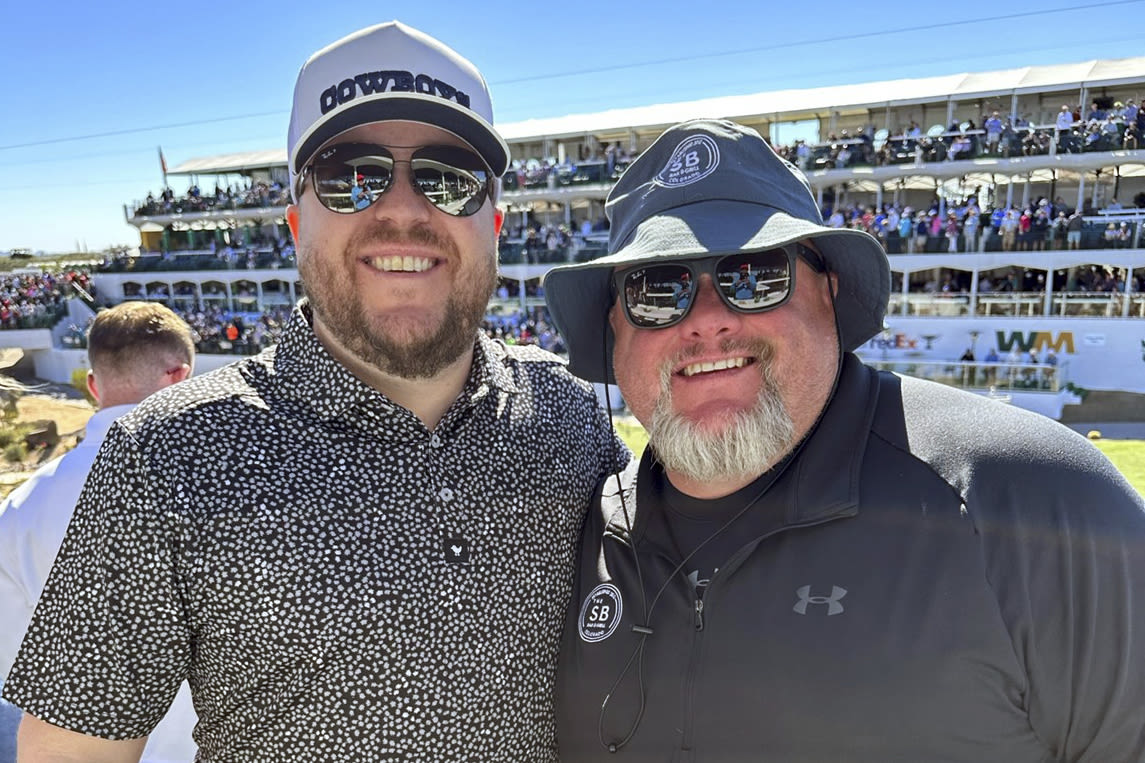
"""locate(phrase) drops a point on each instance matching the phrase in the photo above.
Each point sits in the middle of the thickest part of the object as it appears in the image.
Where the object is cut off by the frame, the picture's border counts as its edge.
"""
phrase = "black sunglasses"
(350, 177)
(660, 295)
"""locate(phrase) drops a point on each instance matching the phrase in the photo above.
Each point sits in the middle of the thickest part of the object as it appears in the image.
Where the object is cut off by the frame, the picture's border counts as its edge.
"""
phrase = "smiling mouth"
(401, 264)
(692, 369)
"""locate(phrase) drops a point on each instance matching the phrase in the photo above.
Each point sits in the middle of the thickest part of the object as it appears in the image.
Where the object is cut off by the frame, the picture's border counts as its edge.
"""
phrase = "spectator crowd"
(30, 301)
(1039, 225)
(254, 195)
(1073, 131)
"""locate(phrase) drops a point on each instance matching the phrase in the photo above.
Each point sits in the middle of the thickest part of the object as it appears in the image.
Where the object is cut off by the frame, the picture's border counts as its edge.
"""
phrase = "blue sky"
(206, 77)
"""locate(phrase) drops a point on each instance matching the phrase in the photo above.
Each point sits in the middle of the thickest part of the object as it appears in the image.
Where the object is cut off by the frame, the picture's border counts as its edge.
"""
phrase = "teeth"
(406, 264)
(717, 365)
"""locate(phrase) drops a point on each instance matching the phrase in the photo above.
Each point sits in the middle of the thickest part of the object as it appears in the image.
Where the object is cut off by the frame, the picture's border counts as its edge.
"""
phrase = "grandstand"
(1007, 201)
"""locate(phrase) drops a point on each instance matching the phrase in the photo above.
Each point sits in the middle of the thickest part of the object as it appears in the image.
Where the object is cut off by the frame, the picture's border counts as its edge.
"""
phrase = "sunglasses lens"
(753, 281)
(350, 177)
(456, 181)
(657, 295)
(347, 180)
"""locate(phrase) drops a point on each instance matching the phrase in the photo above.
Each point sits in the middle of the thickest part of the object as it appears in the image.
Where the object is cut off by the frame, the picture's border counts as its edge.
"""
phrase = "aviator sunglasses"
(661, 295)
(350, 177)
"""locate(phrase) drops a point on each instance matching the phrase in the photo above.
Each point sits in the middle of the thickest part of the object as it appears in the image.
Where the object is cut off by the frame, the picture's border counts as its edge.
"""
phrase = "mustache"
(758, 348)
(386, 233)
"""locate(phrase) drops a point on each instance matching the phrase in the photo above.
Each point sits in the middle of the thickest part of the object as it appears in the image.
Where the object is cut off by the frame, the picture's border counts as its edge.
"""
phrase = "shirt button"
(445, 494)
(435, 441)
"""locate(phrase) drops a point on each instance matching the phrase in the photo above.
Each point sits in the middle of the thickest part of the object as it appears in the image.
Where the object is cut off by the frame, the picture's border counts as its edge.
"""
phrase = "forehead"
(398, 133)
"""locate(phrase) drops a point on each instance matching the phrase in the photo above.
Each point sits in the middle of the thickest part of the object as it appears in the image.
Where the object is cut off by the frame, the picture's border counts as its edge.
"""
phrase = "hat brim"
(411, 107)
(579, 297)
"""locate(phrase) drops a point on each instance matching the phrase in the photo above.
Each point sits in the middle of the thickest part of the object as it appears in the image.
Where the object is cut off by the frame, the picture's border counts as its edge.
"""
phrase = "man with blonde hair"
(134, 349)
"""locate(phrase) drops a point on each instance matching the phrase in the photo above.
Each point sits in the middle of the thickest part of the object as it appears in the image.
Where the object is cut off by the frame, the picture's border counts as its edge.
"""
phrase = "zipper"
(734, 561)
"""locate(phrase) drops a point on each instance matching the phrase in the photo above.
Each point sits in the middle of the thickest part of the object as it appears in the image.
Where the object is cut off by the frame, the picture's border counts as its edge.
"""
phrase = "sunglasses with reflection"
(661, 294)
(350, 177)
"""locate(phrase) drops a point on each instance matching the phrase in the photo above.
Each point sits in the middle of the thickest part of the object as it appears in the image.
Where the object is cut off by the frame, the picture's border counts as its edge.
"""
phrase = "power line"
(735, 87)
(132, 130)
(620, 67)
(260, 141)
(817, 41)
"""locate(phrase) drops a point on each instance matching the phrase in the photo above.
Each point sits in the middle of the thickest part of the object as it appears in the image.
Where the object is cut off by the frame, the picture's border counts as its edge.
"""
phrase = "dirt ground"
(58, 404)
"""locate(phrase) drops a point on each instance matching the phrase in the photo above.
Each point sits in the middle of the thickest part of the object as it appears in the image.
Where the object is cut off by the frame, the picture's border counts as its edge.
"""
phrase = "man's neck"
(426, 398)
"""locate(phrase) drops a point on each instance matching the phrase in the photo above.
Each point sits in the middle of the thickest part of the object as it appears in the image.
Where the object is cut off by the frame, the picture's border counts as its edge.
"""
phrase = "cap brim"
(412, 107)
(580, 296)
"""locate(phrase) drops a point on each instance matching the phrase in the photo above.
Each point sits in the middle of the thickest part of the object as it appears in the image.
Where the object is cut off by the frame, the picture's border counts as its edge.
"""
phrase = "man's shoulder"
(525, 361)
(530, 354)
(225, 391)
(983, 447)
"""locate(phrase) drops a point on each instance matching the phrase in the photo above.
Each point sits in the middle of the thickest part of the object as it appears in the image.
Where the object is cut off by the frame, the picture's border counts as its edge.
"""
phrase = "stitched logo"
(456, 550)
(832, 601)
(600, 613)
(694, 159)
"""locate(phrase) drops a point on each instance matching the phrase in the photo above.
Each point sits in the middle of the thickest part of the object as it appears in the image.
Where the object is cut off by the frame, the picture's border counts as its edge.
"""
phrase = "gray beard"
(752, 442)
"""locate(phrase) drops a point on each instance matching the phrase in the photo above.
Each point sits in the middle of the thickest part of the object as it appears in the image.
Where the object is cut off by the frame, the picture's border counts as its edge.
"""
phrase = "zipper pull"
(699, 614)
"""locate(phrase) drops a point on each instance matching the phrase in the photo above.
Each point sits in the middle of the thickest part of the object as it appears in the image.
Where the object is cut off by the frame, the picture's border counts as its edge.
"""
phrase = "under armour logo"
(457, 550)
(832, 601)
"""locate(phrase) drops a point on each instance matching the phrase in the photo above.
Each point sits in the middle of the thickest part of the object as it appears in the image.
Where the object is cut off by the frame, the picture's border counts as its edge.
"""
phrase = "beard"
(337, 303)
(746, 446)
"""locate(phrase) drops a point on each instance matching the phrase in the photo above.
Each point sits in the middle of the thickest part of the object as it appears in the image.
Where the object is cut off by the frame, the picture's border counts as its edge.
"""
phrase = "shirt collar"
(101, 421)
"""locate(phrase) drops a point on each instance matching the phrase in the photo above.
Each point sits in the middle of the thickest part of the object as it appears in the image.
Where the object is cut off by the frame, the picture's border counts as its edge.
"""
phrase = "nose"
(402, 204)
(710, 316)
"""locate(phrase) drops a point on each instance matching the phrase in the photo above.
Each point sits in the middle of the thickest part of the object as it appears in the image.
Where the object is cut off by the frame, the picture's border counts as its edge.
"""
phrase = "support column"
(1080, 191)
(1128, 295)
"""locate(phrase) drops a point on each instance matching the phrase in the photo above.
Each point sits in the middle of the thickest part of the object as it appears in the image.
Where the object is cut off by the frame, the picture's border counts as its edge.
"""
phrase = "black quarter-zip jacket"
(934, 577)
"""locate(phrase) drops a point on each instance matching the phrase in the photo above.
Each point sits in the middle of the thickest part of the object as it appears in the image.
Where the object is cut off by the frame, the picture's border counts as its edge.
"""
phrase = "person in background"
(814, 560)
(134, 349)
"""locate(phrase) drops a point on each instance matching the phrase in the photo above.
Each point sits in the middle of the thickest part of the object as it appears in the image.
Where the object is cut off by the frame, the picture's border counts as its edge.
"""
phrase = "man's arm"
(41, 742)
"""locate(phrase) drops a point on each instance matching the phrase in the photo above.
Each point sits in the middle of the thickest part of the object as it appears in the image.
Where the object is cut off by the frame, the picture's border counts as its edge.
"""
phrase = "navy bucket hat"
(711, 188)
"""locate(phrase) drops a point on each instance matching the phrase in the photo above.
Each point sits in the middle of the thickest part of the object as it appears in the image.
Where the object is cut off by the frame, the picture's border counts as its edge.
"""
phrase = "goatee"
(750, 442)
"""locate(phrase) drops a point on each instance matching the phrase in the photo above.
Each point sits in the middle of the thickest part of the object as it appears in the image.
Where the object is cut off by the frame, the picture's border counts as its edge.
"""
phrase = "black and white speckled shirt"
(337, 582)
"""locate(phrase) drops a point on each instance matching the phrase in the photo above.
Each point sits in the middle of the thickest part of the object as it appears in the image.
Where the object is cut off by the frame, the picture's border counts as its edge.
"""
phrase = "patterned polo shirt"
(336, 581)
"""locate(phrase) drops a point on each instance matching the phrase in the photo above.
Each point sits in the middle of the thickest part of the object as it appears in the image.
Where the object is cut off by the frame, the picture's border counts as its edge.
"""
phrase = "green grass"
(632, 433)
(1129, 458)
(1127, 455)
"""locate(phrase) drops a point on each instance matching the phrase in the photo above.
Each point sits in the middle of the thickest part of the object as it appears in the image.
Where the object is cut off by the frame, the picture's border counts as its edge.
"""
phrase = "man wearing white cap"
(814, 561)
(357, 546)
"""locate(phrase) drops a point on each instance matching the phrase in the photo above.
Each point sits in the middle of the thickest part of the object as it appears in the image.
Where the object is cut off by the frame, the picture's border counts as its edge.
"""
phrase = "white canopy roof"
(789, 104)
(782, 105)
(240, 162)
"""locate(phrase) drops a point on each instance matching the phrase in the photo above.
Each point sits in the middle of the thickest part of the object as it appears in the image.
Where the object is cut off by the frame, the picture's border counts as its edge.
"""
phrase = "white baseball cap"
(387, 72)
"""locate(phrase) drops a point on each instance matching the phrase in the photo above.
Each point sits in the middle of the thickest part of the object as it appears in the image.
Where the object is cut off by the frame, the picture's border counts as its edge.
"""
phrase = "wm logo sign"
(1037, 340)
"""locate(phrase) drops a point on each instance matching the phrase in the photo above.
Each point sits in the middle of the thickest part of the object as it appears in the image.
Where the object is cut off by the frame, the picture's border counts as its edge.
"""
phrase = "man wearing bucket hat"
(815, 561)
(357, 546)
